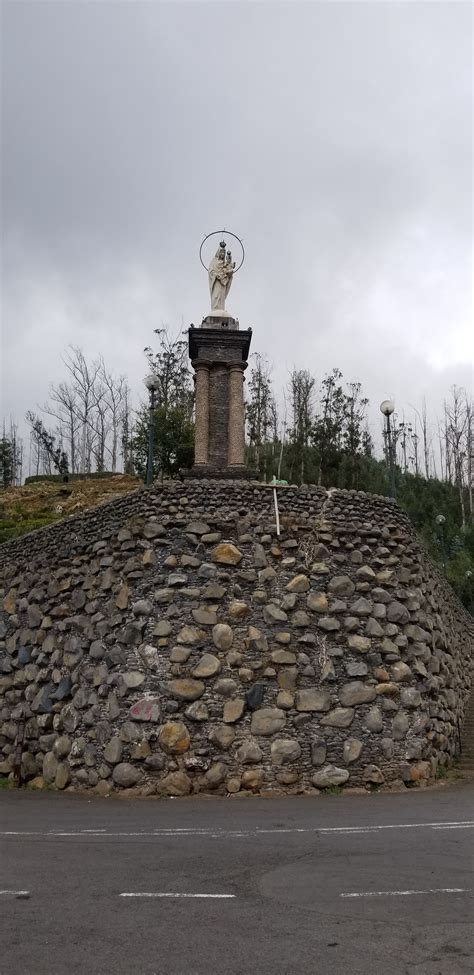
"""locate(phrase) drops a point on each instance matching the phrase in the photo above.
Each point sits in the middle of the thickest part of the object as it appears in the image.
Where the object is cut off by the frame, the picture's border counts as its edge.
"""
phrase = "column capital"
(201, 364)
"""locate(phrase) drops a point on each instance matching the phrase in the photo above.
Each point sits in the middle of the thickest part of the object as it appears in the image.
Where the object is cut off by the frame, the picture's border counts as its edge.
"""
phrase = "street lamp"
(441, 521)
(151, 383)
(387, 407)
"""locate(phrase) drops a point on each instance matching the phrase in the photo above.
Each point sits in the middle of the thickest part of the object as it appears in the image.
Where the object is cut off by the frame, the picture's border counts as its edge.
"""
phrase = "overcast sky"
(335, 138)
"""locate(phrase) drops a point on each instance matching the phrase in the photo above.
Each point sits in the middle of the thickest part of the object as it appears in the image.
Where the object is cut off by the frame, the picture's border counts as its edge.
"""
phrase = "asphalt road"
(324, 885)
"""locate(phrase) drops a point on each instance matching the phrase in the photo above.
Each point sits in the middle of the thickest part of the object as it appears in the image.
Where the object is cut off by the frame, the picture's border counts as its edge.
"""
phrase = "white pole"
(277, 515)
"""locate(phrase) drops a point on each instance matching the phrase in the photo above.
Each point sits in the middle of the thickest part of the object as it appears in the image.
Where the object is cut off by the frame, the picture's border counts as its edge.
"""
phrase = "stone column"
(236, 455)
(201, 430)
(219, 357)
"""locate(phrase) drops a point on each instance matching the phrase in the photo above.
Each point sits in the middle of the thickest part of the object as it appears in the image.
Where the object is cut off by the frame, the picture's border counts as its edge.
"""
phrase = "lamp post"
(386, 408)
(441, 521)
(151, 383)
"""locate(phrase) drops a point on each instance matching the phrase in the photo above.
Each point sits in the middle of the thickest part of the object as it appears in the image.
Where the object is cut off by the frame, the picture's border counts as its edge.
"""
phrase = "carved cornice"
(213, 340)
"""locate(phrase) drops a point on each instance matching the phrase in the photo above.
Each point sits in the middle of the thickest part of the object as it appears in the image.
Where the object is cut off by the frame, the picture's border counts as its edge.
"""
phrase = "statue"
(221, 272)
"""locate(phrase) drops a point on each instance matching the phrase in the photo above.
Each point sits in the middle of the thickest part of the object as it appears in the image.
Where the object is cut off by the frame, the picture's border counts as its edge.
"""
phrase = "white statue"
(221, 272)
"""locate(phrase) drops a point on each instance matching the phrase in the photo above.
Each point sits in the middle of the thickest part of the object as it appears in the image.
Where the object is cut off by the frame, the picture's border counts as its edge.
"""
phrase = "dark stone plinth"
(236, 472)
(219, 344)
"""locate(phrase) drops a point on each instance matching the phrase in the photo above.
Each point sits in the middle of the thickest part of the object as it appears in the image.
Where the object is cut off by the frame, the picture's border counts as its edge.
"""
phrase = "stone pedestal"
(219, 352)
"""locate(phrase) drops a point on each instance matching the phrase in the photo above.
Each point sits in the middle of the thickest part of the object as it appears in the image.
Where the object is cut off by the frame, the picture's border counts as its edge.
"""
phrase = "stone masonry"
(170, 642)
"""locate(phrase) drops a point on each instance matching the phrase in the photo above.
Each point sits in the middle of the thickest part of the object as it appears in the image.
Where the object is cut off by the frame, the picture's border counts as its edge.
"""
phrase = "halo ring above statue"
(221, 272)
(221, 234)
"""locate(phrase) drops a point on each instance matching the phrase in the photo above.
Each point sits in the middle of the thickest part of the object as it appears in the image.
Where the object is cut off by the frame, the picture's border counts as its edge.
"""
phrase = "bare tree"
(426, 436)
(115, 395)
(447, 445)
(405, 432)
(415, 439)
(441, 449)
(457, 422)
(85, 378)
(100, 423)
(89, 410)
(470, 452)
(283, 435)
(127, 433)
(64, 407)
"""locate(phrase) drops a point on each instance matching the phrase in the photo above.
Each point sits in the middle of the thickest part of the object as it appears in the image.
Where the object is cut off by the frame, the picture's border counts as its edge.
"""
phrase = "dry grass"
(22, 509)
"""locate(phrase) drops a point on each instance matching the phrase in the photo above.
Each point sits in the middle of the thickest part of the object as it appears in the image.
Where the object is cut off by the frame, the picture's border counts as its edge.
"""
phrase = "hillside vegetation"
(322, 437)
(22, 509)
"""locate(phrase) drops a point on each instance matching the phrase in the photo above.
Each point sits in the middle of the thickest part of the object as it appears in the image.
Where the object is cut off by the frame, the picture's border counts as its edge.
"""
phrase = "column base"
(220, 319)
(234, 472)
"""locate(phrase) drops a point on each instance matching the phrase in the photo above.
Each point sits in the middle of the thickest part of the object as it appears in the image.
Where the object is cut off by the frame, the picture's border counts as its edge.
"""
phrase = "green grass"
(454, 772)
(5, 783)
(9, 528)
(332, 790)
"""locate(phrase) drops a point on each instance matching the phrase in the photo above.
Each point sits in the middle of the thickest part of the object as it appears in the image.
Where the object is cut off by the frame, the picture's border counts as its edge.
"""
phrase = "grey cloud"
(334, 137)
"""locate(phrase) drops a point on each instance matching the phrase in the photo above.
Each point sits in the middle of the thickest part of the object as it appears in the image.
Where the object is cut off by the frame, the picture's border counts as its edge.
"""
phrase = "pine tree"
(262, 419)
(173, 428)
(47, 442)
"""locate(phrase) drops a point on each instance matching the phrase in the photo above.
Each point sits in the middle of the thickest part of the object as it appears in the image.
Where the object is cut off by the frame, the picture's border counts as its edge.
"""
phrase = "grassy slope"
(22, 509)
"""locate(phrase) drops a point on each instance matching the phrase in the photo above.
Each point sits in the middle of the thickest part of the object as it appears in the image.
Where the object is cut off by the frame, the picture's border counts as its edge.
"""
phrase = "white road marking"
(457, 826)
(153, 894)
(408, 893)
(218, 833)
(14, 893)
(370, 829)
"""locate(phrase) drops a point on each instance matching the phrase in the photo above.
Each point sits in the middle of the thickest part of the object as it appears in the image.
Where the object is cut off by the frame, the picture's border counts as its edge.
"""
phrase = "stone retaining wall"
(171, 642)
